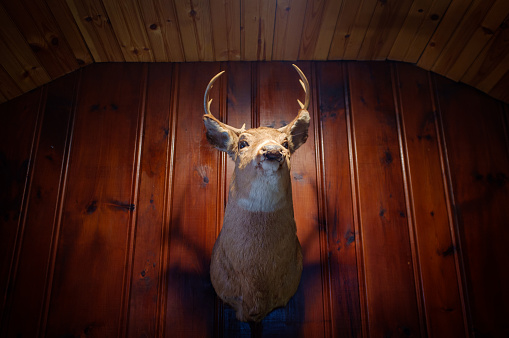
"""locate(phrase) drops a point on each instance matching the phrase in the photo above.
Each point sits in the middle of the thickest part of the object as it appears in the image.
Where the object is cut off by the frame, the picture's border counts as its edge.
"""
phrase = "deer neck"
(263, 191)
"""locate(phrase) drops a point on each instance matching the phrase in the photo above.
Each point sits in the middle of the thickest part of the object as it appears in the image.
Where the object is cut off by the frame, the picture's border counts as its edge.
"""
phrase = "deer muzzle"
(272, 152)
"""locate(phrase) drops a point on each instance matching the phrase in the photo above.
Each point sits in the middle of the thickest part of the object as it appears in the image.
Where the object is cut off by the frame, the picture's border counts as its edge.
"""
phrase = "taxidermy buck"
(257, 261)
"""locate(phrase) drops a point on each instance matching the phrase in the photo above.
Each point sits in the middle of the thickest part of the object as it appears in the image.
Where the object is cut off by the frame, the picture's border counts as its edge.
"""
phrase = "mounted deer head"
(256, 261)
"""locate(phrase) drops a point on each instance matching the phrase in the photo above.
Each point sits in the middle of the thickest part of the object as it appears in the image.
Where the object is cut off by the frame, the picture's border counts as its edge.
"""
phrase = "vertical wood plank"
(17, 133)
(278, 91)
(339, 219)
(152, 205)
(8, 86)
(26, 302)
(439, 274)
(190, 296)
(478, 161)
(90, 266)
(499, 90)
(389, 278)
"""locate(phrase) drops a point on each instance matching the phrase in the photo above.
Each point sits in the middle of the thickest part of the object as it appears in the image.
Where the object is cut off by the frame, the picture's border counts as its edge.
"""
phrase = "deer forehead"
(263, 135)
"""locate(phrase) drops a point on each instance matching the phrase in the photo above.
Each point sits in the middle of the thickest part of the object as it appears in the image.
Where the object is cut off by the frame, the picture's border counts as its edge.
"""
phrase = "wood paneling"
(32, 269)
(44, 39)
(112, 199)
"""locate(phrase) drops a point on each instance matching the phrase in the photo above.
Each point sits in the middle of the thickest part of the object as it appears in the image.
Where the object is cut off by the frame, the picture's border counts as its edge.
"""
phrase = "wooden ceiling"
(465, 40)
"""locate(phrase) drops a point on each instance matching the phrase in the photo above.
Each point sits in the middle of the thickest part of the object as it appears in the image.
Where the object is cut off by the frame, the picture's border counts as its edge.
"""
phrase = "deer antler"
(305, 85)
(206, 101)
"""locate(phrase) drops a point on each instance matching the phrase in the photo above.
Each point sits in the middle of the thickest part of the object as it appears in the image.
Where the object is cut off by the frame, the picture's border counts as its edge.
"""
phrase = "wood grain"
(451, 19)
(151, 221)
(389, 275)
(90, 266)
(19, 122)
(129, 29)
(257, 20)
(288, 29)
(107, 223)
(42, 33)
(478, 162)
(437, 247)
(32, 268)
(193, 222)
(95, 26)
(343, 237)
(381, 33)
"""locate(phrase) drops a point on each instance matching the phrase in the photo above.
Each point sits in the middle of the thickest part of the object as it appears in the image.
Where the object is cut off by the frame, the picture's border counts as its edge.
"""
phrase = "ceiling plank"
(478, 40)
(492, 62)
(39, 28)
(225, 17)
(344, 26)
(421, 21)
(257, 29)
(95, 26)
(319, 25)
(129, 29)
(356, 35)
(17, 58)
(70, 31)
(444, 31)
(162, 29)
(383, 29)
(467, 27)
(288, 29)
(195, 29)
(426, 30)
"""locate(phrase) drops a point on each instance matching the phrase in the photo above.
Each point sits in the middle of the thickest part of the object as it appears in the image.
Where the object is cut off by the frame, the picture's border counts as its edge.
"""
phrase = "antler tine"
(305, 85)
(206, 101)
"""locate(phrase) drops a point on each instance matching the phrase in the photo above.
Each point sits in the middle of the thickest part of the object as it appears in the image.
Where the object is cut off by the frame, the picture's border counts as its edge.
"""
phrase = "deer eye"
(285, 144)
(243, 144)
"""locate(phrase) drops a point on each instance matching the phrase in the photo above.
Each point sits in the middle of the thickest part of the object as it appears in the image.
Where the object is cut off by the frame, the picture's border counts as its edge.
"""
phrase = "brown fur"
(257, 261)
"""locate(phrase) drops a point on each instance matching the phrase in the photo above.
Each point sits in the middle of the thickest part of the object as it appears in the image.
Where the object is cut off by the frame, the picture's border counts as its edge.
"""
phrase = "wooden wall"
(111, 200)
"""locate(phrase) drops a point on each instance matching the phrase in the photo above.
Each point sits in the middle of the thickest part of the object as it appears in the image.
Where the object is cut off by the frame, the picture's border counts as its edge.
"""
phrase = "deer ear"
(297, 130)
(220, 135)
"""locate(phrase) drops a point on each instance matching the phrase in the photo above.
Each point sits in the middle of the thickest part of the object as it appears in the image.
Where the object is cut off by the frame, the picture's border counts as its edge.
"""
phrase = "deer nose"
(272, 152)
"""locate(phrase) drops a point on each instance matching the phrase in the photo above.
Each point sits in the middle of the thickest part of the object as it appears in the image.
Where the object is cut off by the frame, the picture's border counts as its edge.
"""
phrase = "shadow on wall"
(191, 297)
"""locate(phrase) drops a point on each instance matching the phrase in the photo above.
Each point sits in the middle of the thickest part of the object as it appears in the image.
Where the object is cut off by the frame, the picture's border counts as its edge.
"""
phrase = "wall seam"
(322, 207)
(133, 219)
(164, 257)
(356, 206)
(409, 201)
(18, 240)
(450, 203)
(43, 321)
